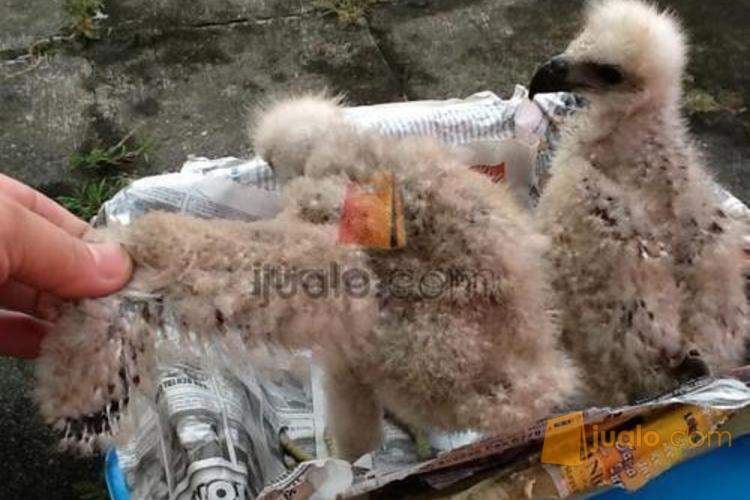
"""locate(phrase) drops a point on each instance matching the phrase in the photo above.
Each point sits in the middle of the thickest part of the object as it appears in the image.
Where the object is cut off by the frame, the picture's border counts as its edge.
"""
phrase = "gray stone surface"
(192, 87)
(185, 72)
(450, 48)
(720, 67)
(44, 117)
(30, 467)
(22, 22)
(159, 14)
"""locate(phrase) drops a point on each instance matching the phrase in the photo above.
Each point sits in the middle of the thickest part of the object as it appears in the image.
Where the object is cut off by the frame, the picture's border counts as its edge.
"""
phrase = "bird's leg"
(421, 442)
(354, 416)
(417, 434)
(291, 449)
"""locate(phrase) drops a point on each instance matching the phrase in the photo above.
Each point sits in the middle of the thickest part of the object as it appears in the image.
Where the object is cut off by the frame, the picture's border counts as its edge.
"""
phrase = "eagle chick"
(647, 265)
(454, 330)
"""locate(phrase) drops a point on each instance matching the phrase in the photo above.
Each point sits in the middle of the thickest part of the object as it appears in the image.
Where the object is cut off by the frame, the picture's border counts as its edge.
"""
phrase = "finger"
(39, 254)
(41, 205)
(15, 296)
(21, 335)
(19, 297)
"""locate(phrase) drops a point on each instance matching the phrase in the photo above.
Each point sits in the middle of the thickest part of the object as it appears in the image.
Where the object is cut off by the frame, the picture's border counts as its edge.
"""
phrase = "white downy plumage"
(483, 352)
(647, 266)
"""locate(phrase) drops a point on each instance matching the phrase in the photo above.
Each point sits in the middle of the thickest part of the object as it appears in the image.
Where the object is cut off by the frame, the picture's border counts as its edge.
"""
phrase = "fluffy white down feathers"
(647, 266)
(483, 353)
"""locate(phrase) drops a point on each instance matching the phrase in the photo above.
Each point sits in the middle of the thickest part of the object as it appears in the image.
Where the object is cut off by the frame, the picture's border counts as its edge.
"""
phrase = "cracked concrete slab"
(446, 48)
(43, 116)
(191, 89)
(22, 22)
(134, 14)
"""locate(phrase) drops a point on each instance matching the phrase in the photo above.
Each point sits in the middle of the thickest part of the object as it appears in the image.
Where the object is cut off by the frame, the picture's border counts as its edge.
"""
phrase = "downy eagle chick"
(453, 332)
(647, 266)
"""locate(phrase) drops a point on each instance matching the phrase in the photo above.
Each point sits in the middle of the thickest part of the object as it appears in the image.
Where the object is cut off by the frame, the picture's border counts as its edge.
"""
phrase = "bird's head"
(289, 130)
(629, 53)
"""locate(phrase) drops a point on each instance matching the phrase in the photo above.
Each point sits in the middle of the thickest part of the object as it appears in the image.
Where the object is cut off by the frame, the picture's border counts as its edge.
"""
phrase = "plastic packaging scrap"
(221, 430)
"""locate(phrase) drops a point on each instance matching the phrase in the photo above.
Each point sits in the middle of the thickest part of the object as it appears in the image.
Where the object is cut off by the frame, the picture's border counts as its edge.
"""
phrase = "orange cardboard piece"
(373, 214)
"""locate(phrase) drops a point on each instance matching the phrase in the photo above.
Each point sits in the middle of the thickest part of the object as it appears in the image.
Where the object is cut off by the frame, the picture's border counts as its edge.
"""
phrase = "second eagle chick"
(453, 332)
(647, 265)
(465, 337)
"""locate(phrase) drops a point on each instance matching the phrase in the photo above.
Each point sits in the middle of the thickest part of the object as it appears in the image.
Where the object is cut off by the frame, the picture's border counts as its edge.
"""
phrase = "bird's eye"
(608, 73)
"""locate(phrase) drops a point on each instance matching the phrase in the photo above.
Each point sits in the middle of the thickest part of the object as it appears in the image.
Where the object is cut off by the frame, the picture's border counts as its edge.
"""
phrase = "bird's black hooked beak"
(554, 76)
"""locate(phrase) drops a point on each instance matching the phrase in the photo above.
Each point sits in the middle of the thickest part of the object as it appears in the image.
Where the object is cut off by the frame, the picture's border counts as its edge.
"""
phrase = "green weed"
(83, 15)
(103, 172)
(91, 195)
(347, 11)
(98, 158)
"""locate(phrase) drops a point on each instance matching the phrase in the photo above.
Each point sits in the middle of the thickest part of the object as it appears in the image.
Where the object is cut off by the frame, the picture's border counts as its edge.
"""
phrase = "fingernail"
(112, 263)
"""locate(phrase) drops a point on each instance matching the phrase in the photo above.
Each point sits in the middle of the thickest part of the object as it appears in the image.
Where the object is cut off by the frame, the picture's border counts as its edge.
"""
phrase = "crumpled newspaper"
(214, 431)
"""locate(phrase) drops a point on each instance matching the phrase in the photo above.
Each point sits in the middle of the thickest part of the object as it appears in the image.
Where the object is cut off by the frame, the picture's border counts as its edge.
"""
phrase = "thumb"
(36, 252)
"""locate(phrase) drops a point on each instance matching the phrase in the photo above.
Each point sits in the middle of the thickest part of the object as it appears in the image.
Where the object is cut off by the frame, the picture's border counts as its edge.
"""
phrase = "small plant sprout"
(347, 11)
(84, 14)
(103, 174)
(99, 158)
(91, 195)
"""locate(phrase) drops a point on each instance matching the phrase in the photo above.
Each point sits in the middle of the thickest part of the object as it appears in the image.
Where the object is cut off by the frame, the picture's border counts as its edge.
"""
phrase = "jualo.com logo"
(568, 441)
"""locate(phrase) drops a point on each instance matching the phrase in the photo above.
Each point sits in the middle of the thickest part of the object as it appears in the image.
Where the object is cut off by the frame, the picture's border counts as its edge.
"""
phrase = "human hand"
(43, 261)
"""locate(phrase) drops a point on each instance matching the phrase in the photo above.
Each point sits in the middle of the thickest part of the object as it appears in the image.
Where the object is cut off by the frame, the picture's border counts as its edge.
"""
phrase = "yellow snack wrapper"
(565, 440)
(580, 461)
